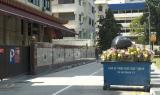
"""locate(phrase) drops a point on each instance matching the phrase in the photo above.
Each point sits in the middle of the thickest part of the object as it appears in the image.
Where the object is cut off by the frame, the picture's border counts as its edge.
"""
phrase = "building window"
(92, 9)
(80, 17)
(115, 11)
(80, 34)
(67, 16)
(100, 8)
(29, 29)
(22, 27)
(80, 2)
(35, 2)
(46, 4)
(90, 21)
(65, 1)
(35, 29)
(123, 21)
(141, 10)
(134, 11)
(128, 11)
(122, 11)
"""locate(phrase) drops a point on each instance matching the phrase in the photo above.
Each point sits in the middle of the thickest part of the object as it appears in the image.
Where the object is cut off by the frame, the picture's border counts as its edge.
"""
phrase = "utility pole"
(149, 23)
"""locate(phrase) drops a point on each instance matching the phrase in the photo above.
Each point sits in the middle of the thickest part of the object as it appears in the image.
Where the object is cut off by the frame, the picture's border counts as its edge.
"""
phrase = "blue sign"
(14, 56)
(127, 73)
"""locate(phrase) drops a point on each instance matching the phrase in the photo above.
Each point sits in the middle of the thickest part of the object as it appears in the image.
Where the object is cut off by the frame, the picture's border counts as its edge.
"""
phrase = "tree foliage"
(154, 6)
(138, 28)
(108, 29)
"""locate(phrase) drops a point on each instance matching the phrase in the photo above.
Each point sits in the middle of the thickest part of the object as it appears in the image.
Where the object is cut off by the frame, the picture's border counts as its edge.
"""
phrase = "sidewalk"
(155, 80)
(12, 82)
(21, 82)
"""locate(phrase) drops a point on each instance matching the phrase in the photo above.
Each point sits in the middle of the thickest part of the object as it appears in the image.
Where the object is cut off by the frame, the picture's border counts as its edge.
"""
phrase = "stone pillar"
(1, 30)
(41, 34)
(30, 30)
(47, 34)
(4, 30)
(19, 31)
(25, 35)
(9, 30)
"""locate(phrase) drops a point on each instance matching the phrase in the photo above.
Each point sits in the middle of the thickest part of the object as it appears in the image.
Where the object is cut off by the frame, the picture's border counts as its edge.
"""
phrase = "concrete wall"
(47, 54)
(75, 42)
(44, 56)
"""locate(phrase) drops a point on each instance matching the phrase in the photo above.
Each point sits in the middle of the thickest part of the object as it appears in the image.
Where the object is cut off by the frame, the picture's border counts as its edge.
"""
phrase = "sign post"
(153, 38)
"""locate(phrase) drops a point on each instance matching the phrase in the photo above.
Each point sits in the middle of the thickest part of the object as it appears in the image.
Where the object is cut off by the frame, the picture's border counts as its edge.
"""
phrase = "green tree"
(154, 6)
(108, 29)
(137, 28)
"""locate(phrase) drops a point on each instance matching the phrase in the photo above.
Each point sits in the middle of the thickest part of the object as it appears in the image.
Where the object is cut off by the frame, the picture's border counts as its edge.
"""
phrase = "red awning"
(20, 13)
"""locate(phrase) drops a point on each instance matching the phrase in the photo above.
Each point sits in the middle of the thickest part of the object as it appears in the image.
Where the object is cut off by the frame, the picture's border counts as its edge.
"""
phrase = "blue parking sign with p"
(11, 56)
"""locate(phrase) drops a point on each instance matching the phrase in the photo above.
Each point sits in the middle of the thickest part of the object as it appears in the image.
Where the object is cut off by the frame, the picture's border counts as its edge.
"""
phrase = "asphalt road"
(82, 80)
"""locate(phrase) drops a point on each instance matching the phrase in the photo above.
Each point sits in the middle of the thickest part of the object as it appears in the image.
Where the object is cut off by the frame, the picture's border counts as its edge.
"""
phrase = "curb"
(6, 85)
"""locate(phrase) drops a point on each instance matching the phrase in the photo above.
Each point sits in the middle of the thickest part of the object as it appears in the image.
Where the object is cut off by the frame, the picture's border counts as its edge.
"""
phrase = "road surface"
(82, 80)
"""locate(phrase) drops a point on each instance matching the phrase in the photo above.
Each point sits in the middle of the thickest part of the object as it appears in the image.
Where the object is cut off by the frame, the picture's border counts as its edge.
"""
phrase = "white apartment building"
(124, 1)
(42, 5)
(80, 16)
(124, 13)
(100, 8)
(134, 1)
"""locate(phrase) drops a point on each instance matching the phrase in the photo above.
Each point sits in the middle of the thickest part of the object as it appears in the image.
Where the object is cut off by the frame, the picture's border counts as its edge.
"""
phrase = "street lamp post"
(149, 24)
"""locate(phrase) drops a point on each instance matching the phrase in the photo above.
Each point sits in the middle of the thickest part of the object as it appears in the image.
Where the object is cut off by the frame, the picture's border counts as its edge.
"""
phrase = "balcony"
(60, 8)
(71, 24)
(124, 15)
(122, 18)
(125, 24)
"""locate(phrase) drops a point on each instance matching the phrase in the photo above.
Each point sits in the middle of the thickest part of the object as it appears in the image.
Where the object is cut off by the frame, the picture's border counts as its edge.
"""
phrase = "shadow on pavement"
(90, 90)
(152, 70)
(155, 73)
(155, 76)
(126, 89)
(157, 85)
